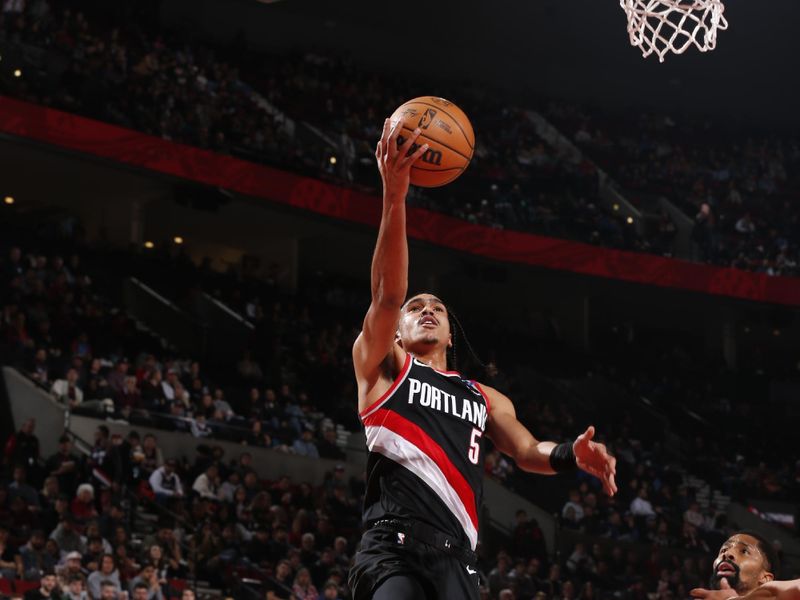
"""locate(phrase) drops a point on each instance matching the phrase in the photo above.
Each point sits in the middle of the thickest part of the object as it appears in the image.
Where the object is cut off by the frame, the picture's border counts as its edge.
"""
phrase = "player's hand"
(723, 593)
(394, 162)
(593, 458)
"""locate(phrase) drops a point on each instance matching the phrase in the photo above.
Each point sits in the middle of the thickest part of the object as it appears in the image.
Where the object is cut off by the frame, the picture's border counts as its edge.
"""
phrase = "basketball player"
(745, 568)
(425, 425)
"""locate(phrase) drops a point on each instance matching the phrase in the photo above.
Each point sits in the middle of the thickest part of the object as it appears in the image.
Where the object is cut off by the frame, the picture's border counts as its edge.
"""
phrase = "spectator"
(703, 232)
(82, 505)
(39, 367)
(104, 460)
(48, 588)
(303, 589)
(498, 577)
(64, 465)
(200, 427)
(330, 592)
(694, 516)
(745, 224)
(153, 398)
(153, 458)
(19, 487)
(165, 482)
(641, 506)
(305, 446)
(128, 399)
(168, 386)
(527, 538)
(328, 448)
(146, 584)
(574, 503)
(22, 448)
(280, 584)
(33, 559)
(75, 589)
(118, 377)
(8, 566)
(67, 391)
(107, 572)
(206, 485)
(222, 409)
(71, 570)
(66, 535)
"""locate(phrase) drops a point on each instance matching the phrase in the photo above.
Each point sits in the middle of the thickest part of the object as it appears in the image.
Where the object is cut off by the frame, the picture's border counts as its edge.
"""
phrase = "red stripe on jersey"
(398, 380)
(485, 397)
(415, 435)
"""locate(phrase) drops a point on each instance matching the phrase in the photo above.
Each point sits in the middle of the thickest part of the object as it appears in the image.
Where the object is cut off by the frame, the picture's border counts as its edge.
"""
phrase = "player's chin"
(715, 582)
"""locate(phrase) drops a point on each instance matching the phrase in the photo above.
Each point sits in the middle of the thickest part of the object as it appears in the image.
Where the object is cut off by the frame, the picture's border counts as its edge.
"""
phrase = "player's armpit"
(513, 439)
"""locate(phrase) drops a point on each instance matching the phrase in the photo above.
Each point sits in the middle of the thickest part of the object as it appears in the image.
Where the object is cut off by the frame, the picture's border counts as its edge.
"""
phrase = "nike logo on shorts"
(471, 571)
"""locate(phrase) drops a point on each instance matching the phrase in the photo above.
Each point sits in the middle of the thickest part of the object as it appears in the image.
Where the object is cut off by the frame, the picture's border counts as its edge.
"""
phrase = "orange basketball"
(448, 133)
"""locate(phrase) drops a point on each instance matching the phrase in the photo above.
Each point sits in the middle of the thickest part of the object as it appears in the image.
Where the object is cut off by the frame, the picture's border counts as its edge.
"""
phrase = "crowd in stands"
(158, 84)
(55, 327)
(72, 522)
(739, 186)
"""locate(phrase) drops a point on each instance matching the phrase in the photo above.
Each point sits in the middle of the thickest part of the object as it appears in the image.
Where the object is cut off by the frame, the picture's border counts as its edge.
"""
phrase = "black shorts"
(385, 552)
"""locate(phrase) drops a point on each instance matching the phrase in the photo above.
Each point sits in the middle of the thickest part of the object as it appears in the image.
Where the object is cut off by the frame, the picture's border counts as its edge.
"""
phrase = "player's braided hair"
(452, 355)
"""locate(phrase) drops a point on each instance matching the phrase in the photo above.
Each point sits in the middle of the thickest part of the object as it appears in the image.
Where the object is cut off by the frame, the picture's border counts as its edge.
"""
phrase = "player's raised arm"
(512, 438)
(390, 260)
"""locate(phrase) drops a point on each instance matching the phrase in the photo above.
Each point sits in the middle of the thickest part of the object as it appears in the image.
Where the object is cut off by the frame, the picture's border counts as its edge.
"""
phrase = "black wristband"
(562, 458)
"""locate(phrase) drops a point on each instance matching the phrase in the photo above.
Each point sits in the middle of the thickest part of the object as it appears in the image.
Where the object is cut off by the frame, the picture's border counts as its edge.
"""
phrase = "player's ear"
(766, 577)
(449, 340)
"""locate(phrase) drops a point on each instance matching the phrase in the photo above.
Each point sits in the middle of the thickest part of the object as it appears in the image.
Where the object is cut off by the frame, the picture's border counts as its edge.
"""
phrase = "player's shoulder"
(495, 398)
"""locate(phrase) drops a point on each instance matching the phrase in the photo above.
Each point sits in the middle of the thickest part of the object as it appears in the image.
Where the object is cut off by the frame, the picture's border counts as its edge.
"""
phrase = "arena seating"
(39, 288)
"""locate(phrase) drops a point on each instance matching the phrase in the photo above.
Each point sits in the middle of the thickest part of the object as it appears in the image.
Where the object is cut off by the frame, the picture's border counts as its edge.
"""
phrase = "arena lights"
(149, 245)
(630, 220)
(17, 73)
(332, 159)
(616, 206)
(178, 240)
(9, 200)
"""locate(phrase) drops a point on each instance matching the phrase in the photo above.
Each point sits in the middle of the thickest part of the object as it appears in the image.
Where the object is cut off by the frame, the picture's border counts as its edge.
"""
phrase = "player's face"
(742, 563)
(424, 320)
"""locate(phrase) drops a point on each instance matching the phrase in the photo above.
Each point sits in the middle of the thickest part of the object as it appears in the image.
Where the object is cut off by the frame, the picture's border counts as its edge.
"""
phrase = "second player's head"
(746, 560)
(424, 325)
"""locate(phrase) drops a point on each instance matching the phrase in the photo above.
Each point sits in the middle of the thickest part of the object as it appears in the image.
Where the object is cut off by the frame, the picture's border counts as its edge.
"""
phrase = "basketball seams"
(452, 118)
(443, 145)
(458, 172)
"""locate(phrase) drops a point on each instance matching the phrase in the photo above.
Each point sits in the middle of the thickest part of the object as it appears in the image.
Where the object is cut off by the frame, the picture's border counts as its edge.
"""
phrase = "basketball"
(448, 133)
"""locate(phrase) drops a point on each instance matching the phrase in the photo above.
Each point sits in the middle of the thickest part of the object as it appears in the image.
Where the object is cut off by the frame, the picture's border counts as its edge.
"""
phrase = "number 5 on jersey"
(475, 446)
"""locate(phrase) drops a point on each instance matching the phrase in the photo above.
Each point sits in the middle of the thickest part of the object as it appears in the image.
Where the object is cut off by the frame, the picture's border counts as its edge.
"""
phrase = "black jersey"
(425, 442)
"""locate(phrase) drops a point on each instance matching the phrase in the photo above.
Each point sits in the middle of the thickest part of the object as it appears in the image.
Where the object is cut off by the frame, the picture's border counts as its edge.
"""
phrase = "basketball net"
(662, 26)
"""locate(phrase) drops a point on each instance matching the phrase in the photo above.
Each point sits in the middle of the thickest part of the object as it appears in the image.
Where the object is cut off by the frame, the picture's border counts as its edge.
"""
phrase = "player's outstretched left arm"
(512, 438)
(773, 590)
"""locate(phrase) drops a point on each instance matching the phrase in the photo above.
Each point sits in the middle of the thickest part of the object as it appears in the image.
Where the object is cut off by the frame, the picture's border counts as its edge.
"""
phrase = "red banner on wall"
(137, 149)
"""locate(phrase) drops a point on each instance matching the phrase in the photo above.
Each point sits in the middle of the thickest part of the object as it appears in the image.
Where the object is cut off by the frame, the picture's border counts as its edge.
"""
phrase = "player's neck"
(436, 359)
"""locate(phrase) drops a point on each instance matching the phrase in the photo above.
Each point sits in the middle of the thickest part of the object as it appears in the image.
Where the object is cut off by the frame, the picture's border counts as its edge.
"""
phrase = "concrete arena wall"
(27, 402)
(269, 464)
